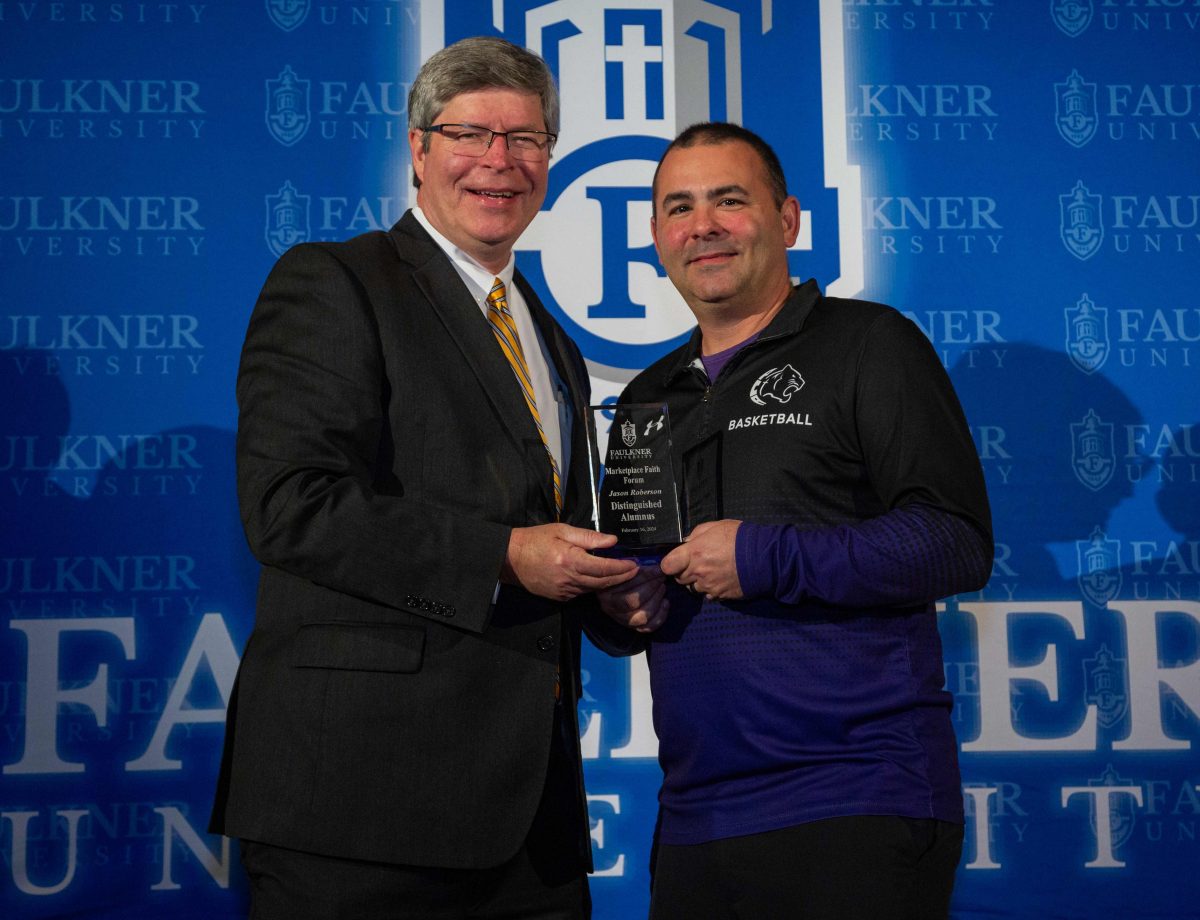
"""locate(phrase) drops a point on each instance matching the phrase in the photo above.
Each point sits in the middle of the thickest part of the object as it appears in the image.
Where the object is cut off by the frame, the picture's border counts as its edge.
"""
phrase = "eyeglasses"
(474, 141)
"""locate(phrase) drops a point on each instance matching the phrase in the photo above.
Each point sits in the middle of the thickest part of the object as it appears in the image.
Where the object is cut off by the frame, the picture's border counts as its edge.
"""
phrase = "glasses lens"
(528, 145)
(467, 139)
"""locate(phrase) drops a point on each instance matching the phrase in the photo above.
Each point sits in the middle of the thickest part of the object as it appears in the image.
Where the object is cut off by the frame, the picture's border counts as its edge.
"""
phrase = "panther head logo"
(779, 383)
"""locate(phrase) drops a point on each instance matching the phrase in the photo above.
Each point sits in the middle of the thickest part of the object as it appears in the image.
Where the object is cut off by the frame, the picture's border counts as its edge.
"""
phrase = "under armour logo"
(655, 424)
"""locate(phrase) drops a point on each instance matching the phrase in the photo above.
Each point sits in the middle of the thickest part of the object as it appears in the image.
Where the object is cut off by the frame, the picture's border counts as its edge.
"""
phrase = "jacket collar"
(788, 321)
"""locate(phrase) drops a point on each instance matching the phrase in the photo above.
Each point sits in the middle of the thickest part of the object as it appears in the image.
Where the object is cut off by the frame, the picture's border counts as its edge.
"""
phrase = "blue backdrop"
(1021, 178)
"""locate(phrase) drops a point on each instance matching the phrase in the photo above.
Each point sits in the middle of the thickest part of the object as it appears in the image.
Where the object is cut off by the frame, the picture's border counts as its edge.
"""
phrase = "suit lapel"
(463, 319)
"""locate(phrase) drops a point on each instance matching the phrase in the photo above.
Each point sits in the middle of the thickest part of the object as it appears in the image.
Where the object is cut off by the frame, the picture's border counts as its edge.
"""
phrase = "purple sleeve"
(910, 555)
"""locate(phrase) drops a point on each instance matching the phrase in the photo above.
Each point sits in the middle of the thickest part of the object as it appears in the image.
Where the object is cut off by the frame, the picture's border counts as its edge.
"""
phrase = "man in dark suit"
(402, 741)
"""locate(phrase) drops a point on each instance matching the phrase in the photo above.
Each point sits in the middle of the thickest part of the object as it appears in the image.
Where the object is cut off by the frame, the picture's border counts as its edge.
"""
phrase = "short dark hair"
(723, 132)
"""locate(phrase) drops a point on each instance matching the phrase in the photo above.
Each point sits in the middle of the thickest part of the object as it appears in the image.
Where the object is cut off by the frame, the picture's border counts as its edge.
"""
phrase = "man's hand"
(705, 562)
(640, 603)
(552, 560)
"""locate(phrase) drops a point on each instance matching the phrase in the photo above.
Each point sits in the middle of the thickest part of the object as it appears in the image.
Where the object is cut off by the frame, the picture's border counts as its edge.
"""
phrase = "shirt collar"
(477, 278)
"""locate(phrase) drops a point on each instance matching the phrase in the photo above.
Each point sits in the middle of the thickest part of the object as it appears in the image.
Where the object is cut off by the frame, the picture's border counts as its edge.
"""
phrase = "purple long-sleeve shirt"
(907, 555)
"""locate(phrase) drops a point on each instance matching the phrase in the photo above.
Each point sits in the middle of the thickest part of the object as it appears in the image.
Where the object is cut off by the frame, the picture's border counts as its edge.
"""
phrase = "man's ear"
(416, 147)
(790, 214)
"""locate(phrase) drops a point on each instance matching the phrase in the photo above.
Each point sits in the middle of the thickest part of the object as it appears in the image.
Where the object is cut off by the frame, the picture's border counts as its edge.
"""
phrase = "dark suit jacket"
(385, 709)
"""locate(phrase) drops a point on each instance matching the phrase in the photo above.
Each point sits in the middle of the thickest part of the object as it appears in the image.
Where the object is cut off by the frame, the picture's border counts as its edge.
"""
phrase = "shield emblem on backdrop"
(1087, 335)
(288, 111)
(1099, 567)
(1121, 816)
(287, 14)
(1093, 457)
(287, 219)
(1080, 226)
(1071, 16)
(632, 75)
(1075, 109)
(1105, 679)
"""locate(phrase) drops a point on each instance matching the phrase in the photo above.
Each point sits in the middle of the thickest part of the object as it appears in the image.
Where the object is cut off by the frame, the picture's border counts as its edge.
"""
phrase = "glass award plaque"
(633, 479)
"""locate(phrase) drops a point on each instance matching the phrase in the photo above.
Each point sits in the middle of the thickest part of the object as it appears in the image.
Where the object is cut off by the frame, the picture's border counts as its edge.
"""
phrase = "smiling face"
(481, 204)
(719, 233)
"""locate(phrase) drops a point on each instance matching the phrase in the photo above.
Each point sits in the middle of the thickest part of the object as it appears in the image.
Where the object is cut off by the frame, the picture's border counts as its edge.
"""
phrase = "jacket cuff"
(755, 555)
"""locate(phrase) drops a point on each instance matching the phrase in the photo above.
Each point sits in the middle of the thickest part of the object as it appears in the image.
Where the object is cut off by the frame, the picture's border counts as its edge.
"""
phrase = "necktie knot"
(498, 297)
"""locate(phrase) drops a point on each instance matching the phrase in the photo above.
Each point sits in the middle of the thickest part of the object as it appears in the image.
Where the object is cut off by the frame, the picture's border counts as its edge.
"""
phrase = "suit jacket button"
(545, 643)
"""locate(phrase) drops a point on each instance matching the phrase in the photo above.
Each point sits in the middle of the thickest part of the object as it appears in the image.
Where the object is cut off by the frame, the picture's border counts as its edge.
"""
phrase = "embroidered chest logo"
(779, 383)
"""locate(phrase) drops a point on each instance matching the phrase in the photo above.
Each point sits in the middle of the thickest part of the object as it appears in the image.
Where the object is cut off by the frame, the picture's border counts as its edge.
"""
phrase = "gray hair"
(480, 62)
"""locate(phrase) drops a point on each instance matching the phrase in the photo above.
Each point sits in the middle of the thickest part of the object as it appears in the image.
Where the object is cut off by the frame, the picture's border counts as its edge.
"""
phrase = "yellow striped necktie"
(505, 330)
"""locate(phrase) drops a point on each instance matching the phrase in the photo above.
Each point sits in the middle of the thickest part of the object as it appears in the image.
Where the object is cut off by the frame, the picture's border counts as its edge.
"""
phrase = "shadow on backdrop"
(99, 528)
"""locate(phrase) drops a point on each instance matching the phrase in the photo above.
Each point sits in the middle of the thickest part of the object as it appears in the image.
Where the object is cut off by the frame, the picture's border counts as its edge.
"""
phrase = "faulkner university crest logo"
(1093, 457)
(1087, 335)
(288, 111)
(633, 74)
(1099, 567)
(1080, 226)
(1121, 812)
(287, 219)
(628, 433)
(1075, 102)
(1105, 679)
(287, 14)
(1072, 16)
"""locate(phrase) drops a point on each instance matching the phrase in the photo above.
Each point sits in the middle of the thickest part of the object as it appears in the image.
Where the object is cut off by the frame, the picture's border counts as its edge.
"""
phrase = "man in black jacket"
(402, 740)
(832, 493)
